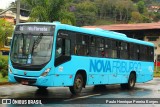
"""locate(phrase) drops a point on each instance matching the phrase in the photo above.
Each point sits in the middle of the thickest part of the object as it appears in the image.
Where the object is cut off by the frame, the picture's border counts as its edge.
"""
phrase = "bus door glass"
(63, 48)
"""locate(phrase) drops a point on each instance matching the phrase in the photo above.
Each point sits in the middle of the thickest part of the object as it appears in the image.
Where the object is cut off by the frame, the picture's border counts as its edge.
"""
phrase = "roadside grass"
(157, 71)
(3, 79)
(3, 57)
(157, 74)
(3, 68)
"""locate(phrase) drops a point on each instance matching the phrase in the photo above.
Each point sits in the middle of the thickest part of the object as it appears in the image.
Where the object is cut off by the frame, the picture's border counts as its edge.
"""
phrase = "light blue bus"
(54, 54)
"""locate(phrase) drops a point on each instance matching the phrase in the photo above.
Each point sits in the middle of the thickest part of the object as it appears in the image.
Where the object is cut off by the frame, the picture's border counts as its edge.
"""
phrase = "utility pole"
(18, 11)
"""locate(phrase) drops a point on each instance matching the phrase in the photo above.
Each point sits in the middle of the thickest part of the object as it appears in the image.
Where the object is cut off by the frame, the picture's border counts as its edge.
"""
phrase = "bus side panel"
(97, 79)
(146, 73)
(98, 70)
(63, 80)
(102, 71)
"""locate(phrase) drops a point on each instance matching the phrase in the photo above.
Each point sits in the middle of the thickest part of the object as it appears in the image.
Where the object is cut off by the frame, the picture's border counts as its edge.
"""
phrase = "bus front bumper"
(48, 81)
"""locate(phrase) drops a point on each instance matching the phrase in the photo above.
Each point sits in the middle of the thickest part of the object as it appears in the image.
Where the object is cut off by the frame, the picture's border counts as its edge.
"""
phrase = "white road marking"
(82, 97)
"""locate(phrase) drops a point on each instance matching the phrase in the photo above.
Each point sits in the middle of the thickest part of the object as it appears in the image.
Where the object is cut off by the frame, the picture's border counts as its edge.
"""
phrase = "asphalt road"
(90, 96)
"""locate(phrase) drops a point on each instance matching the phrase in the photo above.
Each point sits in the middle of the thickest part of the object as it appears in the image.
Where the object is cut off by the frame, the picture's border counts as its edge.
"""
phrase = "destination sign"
(35, 28)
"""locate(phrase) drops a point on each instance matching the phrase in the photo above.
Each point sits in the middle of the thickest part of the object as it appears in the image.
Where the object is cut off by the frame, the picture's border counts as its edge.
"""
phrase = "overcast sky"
(5, 3)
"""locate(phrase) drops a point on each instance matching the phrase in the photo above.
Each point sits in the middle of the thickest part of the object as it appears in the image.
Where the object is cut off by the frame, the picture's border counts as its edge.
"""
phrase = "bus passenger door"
(63, 48)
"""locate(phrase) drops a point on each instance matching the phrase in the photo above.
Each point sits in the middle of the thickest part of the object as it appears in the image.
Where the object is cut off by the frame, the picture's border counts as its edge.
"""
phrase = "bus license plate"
(24, 82)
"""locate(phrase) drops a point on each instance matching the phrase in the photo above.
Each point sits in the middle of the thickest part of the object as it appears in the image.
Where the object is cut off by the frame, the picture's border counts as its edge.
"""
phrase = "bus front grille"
(20, 80)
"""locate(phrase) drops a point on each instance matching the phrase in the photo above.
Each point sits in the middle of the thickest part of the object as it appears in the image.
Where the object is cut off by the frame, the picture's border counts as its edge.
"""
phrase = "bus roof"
(95, 31)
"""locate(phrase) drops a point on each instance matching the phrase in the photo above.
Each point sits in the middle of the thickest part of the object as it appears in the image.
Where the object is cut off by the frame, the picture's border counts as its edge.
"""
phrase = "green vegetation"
(3, 68)
(93, 12)
(156, 71)
(157, 74)
(3, 79)
(50, 10)
(6, 30)
(104, 22)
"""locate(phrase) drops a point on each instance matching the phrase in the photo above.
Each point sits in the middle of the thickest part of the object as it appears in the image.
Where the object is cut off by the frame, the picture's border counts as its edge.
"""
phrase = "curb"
(6, 83)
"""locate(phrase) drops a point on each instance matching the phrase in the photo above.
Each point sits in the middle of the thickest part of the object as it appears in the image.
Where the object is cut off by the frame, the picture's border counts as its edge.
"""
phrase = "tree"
(141, 6)
(136, 17)
(85, 13)
(119, 10)
(157, 17)
(50, 10)
(6, 30)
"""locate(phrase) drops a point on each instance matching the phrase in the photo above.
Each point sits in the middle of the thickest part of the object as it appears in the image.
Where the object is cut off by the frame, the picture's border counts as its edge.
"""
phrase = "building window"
(152, 38)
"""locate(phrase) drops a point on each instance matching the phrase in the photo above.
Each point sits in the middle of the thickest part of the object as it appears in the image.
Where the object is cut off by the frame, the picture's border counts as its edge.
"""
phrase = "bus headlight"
(10, 71)
(9, 68)
(45, 72)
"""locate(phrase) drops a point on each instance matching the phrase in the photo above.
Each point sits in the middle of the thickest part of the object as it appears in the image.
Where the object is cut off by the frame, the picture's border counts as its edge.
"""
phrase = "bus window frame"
(63, 58)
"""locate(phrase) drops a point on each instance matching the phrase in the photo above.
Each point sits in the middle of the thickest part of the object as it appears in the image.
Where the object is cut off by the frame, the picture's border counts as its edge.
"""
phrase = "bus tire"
(42, 87)
(78, 84)
(131, 81)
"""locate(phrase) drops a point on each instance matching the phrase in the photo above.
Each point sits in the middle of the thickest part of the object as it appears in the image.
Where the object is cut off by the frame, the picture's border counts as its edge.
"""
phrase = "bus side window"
(151, 54)
(114, 49)
(58, 47)
(108, 48)
(63, 47)
(137, 52)
(143, 52)
(67, 47)
(92, 48)
(131, 51)
(124, 50)
(100, 47)
(81, 45)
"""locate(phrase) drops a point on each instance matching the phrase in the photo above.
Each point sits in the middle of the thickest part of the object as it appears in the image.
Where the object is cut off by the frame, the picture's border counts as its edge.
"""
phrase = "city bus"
(59, 55)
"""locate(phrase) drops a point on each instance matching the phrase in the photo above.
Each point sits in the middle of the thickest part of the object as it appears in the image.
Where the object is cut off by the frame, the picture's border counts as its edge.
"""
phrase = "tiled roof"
(139, 26)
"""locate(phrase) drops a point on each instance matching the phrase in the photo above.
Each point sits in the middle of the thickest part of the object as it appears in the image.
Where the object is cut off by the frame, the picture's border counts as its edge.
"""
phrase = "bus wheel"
(42, 88)
(131, 81)
(78, 84)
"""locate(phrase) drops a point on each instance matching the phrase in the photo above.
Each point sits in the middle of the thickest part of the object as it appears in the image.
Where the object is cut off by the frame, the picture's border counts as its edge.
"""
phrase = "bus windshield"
(32, 44)
(31, 49)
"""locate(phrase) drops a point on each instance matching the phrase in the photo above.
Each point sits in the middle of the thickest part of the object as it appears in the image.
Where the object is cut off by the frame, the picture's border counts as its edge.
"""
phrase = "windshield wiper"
(37, 41)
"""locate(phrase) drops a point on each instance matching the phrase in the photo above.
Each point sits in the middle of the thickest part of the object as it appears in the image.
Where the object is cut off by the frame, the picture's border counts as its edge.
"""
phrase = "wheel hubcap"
(132, 82)
(78, 83)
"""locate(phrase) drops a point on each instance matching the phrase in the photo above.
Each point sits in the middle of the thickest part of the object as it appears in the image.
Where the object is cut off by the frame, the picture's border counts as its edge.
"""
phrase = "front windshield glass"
(31, 49)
